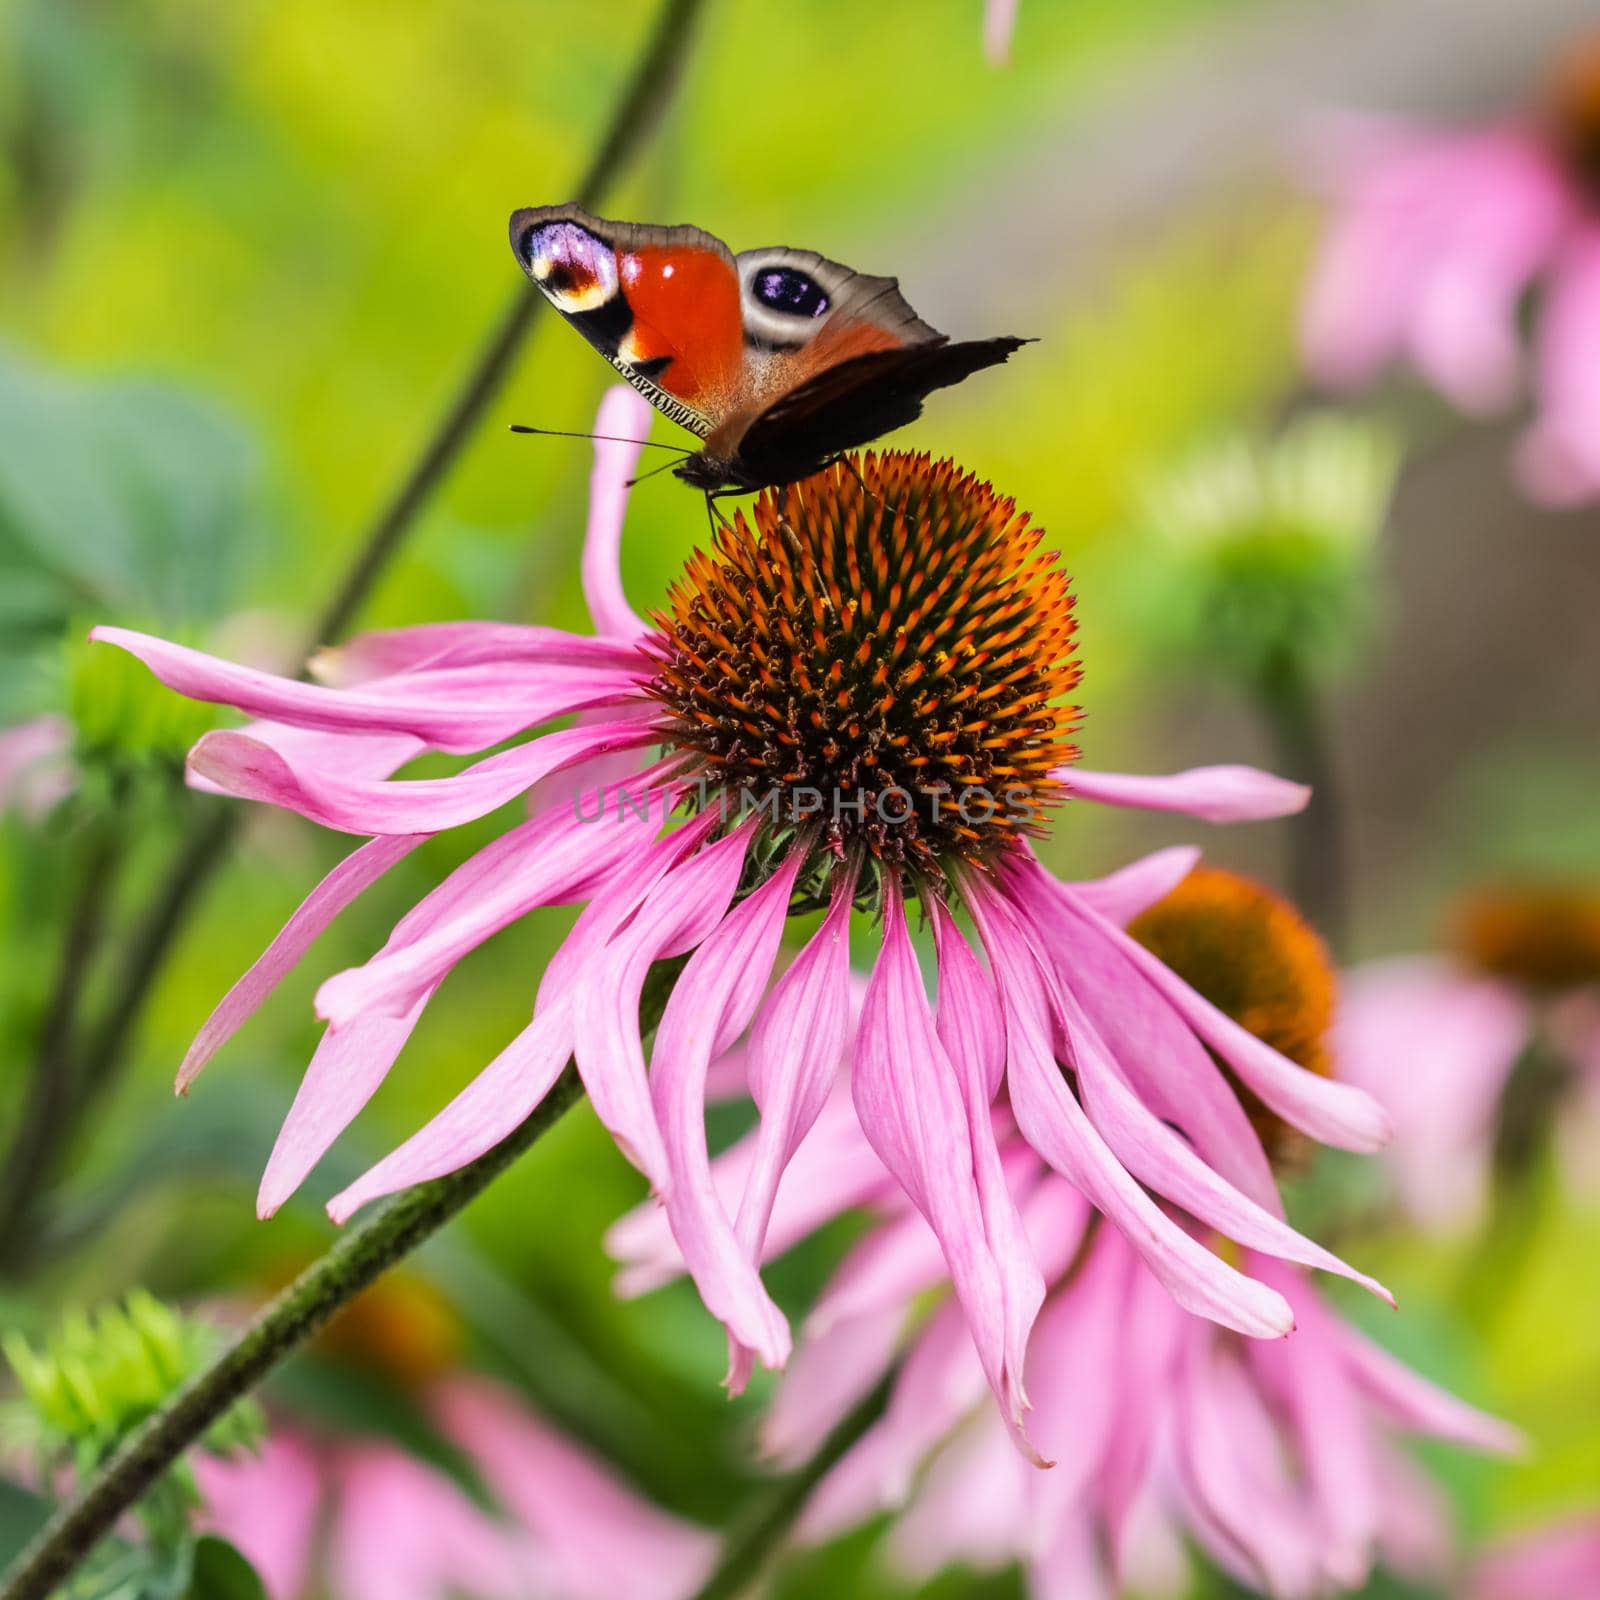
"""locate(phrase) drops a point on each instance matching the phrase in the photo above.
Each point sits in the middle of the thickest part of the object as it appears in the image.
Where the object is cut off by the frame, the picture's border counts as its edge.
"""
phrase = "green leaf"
(221, 1573)
(22, 1514)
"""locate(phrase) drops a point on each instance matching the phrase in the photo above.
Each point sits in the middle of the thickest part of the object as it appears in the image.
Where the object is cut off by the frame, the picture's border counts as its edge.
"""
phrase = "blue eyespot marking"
(793, 293)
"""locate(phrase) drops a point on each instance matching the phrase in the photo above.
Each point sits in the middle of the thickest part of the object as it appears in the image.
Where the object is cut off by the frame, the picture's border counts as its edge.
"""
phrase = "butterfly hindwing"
(661, 304)
(853, 402)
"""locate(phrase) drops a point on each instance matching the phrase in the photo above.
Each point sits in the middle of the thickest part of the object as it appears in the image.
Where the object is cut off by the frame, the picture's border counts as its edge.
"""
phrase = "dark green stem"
(211, 832)
(1286, 701)
(330, 1283)
(54, 1085)
(751, 1546)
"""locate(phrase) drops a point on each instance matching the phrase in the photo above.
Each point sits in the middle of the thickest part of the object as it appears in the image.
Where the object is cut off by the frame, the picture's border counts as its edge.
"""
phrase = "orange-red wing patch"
(686, 312)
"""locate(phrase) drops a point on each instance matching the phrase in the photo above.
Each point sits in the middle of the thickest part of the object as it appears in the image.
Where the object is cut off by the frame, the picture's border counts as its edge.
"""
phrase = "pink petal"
(1153, 1048)
(1122, 895)
(251, 770)
(347, 755)
(830, 1373)
(683, 909)
(406, 1529)
(1561, 455)
(1214, 794)
(1331, 1426)
(358, 871)
(793, 1058)
(1410, 1401)
(35, 765)
(458, 709)
(549, 860)
(971, 1507)
(1332, 1112)
(912, 1111)
(1435, 1047)
(625, 415)
(599, 1539)
(267, 1503)
(971, 1027)
(712, 1003)
(999, 20)
(395, 652)
(1552, 1563)
(343, 1075)
(1055, 1125)
(502, 1096)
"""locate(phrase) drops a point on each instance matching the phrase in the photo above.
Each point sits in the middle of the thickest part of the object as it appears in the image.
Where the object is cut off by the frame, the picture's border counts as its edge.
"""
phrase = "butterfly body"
(778, 359)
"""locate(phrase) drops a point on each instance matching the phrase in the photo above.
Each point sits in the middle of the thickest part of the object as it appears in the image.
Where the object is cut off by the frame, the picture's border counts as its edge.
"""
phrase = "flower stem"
(205, 847)
(354, 1260)
(1286, 701)
(749, 1548)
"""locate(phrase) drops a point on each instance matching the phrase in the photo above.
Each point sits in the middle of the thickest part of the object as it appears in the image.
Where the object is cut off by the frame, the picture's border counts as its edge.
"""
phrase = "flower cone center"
(885, 648)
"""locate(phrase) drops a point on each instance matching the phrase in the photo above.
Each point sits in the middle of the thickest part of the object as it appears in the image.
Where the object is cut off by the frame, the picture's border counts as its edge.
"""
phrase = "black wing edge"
(861, 399)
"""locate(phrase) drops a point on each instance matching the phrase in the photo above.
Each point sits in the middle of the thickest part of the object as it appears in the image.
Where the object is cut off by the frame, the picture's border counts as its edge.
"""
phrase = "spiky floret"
(1572, 112)
(888, 636)
(1252, 955)
(1544, 935)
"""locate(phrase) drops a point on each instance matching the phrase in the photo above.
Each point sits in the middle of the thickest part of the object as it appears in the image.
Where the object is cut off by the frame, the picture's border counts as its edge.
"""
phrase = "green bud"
(1268, 549)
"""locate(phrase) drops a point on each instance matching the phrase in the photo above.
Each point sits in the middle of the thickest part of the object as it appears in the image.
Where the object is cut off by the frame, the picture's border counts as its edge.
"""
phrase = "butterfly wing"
(661, 304)
(854, 401)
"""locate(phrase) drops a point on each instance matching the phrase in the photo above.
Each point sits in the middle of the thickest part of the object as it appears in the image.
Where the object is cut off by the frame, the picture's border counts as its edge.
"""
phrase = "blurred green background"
(247, 250)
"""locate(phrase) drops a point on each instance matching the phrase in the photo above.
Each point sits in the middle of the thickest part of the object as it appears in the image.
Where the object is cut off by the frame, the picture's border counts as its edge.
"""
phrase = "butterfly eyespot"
(574, 267)
(784, 289)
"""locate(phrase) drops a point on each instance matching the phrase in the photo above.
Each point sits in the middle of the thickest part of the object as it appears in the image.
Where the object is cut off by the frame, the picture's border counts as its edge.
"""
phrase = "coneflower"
(856, 699)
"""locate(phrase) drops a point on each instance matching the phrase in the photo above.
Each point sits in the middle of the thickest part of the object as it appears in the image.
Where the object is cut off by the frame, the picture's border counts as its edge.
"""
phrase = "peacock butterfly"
(778, 359)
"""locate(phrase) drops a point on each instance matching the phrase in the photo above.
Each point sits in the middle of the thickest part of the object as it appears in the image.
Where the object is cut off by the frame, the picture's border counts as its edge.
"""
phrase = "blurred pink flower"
(365, 1521)
(1560, 1562)
(1437, 238)
(1436, 1039)
(999, 23)
(725, 683)
(36, 769)
(1277, 1457)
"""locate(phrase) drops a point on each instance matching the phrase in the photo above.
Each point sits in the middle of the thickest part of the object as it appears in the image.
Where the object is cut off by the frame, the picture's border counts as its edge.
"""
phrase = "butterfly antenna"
(653, 472)
(610, 438)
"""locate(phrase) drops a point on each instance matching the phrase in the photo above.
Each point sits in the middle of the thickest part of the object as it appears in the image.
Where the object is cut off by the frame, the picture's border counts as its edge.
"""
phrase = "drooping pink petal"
(971, 1026)
(624, 416)
(267, 1503)
(1054, 1123)
(712, 1003)
(680, 911)
(455, 709)
(389, 653)
(1334, 1113)
(347, 755)
(1553, 1563)
(499, 1098)
(1214, 794)
(1560, 458)
(1331, 1426)
(1152, 1046)
(909, 1100)
(793, 1058)
(598, 1539)
(551, 859)
(1168, 1164)
(36, 768)
(1410, 1401)
(343, 1075)
(356, 873)
(251, 770)
(1240, 1499)
(1120, 896)
(829, 1374)
(403, 1528)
